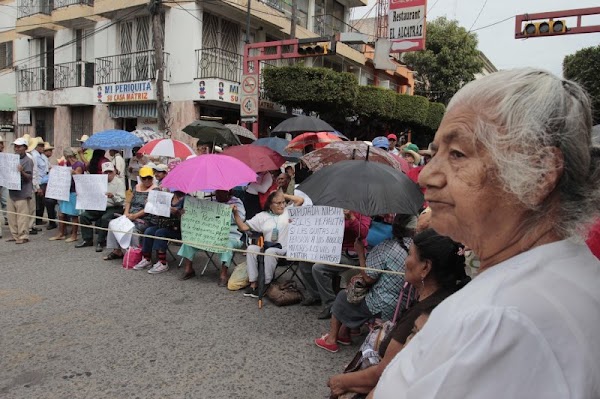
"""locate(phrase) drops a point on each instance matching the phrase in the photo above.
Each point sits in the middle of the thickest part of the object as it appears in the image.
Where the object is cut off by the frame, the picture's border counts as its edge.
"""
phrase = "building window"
(81, 123)
(6, 55)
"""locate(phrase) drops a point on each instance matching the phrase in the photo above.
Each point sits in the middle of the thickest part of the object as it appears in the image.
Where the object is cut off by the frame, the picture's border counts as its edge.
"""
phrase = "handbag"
(357, 289)
(284, 294)
(132, 257)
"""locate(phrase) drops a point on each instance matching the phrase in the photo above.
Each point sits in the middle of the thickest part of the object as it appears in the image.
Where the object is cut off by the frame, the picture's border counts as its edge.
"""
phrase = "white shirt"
(526, 328)
(119, 163)
(265, 222)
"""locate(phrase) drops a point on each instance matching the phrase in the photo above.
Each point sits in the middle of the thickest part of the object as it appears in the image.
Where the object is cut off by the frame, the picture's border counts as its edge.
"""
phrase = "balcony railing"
(33, 79)
(128, 67)
(219, 64)
(74, 74)
(26, 8)
(328, 25)
(65, 3)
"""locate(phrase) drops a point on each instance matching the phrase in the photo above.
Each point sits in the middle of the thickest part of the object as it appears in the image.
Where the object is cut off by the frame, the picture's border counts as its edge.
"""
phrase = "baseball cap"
(146, 171)
(108, 166)
(381, 142)
(161, 167)
(412, 147)
(392, 136)
(20, 141)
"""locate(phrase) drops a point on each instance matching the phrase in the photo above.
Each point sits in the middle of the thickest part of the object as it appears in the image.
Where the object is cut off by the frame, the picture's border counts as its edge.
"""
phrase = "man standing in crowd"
(35, 156)
(114, 204)
(3, 191)
(42, 165)
(49, 203)
(119, 162)
(19, 200)
(393, 140)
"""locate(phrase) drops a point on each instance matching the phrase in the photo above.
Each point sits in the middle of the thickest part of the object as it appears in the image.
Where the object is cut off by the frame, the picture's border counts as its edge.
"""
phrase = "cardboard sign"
(91, 192)
(59, 183)
(316, 233)
(10, 177)
(159, 203)
(206, 223)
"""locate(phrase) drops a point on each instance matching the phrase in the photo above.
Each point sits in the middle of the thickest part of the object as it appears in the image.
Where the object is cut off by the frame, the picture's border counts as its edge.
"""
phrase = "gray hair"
(526, 110)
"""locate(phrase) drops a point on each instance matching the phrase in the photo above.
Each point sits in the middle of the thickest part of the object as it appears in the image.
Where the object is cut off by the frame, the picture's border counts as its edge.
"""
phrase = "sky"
(498, 42)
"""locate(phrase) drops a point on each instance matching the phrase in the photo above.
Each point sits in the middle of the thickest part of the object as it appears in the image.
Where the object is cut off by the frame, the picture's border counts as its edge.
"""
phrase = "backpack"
(284, 294)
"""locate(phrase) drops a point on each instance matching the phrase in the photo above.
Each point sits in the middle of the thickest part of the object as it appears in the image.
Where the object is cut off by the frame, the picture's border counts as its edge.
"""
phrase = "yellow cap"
(146, 171)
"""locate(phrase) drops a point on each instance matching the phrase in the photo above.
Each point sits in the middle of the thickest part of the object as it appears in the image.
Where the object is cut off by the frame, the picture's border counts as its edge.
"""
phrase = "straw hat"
(33, 143)
(47, 146)
(414, 154)
(427, 151)
(83, 138)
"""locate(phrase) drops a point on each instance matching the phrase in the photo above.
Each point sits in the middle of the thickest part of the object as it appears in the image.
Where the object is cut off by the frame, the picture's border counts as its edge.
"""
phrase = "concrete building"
(75, 67)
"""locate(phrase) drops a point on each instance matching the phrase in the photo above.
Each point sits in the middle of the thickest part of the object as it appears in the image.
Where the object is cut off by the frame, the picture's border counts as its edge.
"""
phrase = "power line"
(478, 15)
(492, 24)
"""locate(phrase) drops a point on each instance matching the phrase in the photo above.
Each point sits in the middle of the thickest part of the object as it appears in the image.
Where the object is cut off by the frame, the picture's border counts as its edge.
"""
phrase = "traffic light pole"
(550, 16)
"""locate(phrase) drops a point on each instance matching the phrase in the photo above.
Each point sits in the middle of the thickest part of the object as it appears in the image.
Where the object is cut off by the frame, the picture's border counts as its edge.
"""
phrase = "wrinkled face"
(414, 267)
(466, 198)
(283, 180)
(278, 204)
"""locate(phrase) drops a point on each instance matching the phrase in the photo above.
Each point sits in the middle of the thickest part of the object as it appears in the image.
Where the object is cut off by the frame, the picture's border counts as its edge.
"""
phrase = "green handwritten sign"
(206, 223)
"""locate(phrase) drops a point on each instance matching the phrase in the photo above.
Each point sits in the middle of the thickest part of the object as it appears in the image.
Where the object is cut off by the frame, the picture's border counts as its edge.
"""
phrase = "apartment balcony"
(74, 14)
(217, 63)
(33, 18)
(130, 67)
(74, 83)
(35, 86)
(110, 8)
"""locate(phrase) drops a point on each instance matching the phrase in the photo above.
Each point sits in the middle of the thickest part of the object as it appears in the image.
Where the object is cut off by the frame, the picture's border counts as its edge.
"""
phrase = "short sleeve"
(257, 222)
(488, 353)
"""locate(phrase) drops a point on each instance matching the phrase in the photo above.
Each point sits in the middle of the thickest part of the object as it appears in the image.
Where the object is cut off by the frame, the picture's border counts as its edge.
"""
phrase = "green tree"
(451, 60)
(582, 67)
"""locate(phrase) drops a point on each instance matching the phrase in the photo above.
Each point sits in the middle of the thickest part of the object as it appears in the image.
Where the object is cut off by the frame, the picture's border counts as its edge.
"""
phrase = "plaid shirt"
(383, 295)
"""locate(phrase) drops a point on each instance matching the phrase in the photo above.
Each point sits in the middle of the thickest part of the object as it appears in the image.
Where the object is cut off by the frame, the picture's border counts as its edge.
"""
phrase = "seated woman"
(382, 296)
(134, 211)
(436, 268)
(188, 252)
(166, 227)
(273, 224)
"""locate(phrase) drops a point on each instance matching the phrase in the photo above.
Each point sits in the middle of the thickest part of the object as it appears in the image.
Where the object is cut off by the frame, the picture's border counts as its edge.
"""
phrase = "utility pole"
(294, 16)
(155, 7)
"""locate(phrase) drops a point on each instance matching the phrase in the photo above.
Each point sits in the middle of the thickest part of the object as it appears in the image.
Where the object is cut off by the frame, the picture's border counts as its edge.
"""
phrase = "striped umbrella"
(167, 148)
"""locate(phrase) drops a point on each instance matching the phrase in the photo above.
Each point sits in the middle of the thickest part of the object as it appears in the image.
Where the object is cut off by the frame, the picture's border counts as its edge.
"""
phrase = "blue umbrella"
(278, 145)
(113, 140)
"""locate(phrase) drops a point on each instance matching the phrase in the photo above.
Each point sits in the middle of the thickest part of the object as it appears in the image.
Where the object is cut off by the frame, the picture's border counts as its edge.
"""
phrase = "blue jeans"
(154, 244)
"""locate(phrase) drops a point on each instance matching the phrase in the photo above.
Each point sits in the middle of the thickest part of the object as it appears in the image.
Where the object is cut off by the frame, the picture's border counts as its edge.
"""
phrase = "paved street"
(75, 326)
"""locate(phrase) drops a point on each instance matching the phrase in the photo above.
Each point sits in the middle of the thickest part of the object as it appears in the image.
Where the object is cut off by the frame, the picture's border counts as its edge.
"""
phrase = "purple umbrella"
(209, 173)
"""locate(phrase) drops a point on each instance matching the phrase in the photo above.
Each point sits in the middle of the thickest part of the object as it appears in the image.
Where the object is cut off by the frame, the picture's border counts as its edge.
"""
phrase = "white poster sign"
(10, 177)
(316, 233)
(91, 192)
(159, 203)
(59, 183)
(122, 228)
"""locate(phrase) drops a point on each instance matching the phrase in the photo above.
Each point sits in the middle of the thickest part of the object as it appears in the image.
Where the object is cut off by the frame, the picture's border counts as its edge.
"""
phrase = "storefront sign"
(406, 21)
(7, 128)
(218, 90)
(126, 92)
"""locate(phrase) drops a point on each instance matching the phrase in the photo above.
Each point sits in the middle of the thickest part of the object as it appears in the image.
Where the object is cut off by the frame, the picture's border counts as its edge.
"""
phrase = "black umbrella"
(212, 132)
(370, 188)
(302, 124)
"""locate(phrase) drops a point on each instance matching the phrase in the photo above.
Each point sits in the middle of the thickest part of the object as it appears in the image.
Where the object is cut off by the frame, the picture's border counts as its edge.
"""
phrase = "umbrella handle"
(354, 154)
(367, 157)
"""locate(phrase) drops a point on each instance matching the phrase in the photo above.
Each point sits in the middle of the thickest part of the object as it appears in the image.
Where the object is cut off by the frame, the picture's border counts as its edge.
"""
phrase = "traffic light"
(545, 28)
(314, 49)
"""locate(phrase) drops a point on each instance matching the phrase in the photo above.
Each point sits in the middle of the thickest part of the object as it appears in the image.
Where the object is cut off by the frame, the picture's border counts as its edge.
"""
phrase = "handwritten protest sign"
(10, 177)
(316, 233)
(206, 222)
(122, 227)
(91, 192)
(159, 203)
(59, 183)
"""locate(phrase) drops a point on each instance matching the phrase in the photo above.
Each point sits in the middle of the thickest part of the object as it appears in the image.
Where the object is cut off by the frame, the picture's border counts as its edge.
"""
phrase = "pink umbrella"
(167, 148)
(209, 173)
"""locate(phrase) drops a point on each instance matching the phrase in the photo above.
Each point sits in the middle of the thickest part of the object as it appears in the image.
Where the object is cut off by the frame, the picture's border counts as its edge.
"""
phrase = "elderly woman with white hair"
(514, 177)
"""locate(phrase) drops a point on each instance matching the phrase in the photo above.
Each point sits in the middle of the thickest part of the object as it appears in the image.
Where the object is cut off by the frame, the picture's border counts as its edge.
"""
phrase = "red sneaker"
(344, 341)
(320, 342)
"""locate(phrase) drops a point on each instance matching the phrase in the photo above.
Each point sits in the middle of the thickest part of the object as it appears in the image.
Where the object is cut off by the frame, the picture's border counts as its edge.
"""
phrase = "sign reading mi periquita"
(406, 23)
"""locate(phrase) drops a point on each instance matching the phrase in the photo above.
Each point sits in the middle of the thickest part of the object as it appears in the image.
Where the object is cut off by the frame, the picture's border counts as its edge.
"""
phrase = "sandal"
(56, 238)
(188, 276)
(113, 256)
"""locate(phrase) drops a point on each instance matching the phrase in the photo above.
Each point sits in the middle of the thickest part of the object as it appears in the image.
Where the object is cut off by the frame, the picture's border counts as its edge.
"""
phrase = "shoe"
(344, 341)
(23, 241)
(83, 244)
(310, 301)
(159, 268)
(71, 239)
(56, 238)
(320, 342)
(113, 256)
(187, 276)
(325, 314)
(99, 247)
(51, 226)
(144, 263)
(36, 228)
(33, 232)
(251, 292)
(10, 240)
